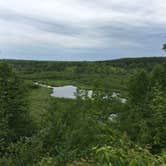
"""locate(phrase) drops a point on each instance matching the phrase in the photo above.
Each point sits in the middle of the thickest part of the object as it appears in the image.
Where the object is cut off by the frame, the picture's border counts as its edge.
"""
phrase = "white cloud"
(87, 17)
(15, 33)
(79, 11)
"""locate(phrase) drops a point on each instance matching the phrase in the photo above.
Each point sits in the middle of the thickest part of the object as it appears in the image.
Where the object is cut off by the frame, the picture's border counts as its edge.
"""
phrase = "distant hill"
(111, 73)
(143, 62)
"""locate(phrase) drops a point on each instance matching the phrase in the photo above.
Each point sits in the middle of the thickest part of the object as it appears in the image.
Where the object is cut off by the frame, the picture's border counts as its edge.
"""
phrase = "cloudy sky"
(81, 29)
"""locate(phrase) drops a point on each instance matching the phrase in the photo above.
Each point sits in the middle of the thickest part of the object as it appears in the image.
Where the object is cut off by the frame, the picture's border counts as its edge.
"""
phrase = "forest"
(39, 130)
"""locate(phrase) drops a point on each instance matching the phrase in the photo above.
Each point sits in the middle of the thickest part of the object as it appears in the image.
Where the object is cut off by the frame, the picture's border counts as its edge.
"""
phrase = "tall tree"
(158, 119)
(158, 76)
(138, 87)
(164, 47)
(14, 119)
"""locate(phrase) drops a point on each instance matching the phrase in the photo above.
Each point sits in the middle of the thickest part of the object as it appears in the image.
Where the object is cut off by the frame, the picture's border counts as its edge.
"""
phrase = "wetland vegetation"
(37, 129)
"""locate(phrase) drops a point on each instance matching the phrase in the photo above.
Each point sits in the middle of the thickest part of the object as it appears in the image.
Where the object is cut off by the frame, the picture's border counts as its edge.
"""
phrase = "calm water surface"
(70, 91)
(64, 92)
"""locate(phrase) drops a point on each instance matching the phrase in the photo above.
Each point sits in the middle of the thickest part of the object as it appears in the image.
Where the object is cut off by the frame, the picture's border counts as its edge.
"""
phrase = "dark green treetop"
(164, 47)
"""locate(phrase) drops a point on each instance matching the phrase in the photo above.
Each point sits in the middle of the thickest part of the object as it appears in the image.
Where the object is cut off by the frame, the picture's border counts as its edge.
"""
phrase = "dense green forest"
(113, 74)
(39, 130)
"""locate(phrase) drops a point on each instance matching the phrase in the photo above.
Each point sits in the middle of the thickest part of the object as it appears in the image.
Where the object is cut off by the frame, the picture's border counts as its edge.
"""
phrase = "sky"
(74, 30)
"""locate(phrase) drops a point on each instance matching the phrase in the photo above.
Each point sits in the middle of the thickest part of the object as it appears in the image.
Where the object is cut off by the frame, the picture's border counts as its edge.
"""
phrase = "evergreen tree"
(138, 87)
(164, 47)
(158, 119)
(14, 119)
(158, 76)
(135, 111)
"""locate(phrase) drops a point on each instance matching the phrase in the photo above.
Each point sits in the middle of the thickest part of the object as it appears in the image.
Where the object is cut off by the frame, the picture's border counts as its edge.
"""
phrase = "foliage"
(15, 121)
(126, 155)
(113, 73)
(164, 47)
(144, 115)
(101, 130)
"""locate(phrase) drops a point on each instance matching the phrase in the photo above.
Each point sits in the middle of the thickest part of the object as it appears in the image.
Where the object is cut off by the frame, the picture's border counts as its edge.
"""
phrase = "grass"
(39, 99)
(80, 164)
(55, 83)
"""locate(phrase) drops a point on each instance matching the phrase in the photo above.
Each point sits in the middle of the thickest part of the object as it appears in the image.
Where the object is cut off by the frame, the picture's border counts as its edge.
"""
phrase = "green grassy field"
(39, 101)
(80, 164)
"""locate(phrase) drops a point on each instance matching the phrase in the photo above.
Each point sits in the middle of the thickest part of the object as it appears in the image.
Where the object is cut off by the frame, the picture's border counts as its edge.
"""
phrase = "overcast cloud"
(81, 29)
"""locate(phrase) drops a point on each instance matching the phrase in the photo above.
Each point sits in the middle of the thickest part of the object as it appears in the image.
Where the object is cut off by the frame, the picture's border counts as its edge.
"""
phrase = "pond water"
(70, 91)
(64, 92)
(67, 92)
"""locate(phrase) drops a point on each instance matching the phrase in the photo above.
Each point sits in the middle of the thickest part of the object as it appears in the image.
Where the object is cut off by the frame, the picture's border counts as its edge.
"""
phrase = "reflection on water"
(64, 92)
(67, 92)
(70, 91)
